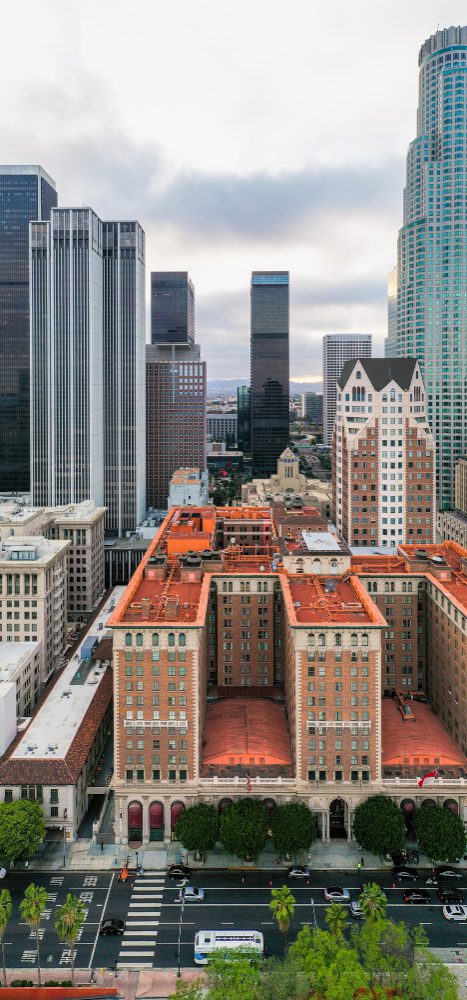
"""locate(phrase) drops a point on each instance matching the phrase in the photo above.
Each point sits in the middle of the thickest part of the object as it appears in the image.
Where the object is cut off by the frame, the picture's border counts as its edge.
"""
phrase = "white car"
(2, 872)
(455, 912)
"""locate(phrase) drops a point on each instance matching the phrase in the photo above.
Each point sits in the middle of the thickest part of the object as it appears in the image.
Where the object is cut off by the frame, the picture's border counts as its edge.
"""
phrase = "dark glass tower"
(244, 418)
(269, 365)
(172, 308)
(26, 193)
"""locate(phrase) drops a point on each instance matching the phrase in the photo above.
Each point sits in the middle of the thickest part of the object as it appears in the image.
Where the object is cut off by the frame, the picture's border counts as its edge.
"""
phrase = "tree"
(187, 991)
(234, 976)
(31, 909)
(440, 833)
(22, 829)
(5, 914)
(282, 907)
(336, 919)
(373, 901)
(197, 827)
(293, 827)
(68, 923)
(244, 828)
(379, 825)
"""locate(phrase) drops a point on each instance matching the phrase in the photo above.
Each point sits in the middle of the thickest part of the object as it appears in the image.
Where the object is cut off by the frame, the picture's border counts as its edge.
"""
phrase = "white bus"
(208, 941)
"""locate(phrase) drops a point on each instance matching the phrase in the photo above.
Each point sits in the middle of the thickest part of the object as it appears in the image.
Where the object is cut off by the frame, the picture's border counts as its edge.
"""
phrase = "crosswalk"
(142, 924)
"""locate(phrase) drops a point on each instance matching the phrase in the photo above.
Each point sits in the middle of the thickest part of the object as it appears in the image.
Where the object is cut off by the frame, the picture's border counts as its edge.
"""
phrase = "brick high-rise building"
(383, 455)
(176, 386)
(248, 648)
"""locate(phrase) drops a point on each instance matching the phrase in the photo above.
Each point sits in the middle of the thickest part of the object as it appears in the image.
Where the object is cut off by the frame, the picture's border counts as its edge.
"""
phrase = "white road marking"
(138, 954)
(139, 933)
(97, 932)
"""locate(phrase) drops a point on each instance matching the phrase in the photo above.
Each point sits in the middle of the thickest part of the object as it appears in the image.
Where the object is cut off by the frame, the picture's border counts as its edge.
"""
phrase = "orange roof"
(311, 601)
(424, 742)
(246, 732)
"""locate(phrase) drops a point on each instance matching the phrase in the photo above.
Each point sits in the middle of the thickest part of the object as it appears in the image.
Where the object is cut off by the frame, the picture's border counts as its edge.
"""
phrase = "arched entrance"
(408, 809)
(338, 818)
(135, 822)
(270, 805)
(175, 809)
(428, 802)
(224, 804)
(452, 805)
(156, 821)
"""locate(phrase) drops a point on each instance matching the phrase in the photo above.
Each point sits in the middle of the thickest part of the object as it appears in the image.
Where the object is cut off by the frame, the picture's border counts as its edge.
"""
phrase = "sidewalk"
(132, 985)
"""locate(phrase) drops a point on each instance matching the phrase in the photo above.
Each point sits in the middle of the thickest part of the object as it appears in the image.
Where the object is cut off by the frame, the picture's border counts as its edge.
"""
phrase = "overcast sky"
(243, 135)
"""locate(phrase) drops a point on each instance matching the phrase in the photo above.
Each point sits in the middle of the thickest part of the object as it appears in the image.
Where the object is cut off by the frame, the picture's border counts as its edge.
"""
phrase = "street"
(149, 907)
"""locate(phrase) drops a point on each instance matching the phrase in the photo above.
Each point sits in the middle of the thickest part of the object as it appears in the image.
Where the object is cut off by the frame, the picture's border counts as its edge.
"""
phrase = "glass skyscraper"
(172, 308)
(269, 368)
(26, 193)
(431, 266)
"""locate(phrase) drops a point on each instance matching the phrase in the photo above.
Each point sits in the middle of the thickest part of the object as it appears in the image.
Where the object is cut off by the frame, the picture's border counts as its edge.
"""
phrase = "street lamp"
(65, 814)
(179, 942)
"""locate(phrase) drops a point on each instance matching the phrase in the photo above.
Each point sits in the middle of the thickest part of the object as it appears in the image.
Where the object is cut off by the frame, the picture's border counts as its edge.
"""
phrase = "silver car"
(336, 894)
(455, 912)
(191, 894)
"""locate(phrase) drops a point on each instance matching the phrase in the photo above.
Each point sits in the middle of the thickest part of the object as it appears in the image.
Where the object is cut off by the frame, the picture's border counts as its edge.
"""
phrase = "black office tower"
(172, 308)
(27, 193)
(269, 367)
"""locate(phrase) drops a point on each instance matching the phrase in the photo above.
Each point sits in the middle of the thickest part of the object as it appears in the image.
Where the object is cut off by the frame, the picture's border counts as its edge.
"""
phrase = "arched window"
(311, 638)
(139, 639)
(364, 640)
(128, 639)
(353, 639)
(322, 639)
(338, 639)
(155, 639)
(334, 565)
(171, 639)
(182, 639)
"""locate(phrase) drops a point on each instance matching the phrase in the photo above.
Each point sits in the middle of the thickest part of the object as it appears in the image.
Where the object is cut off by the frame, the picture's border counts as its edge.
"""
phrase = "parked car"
(336, 894)
(416, 896)
(191, 894)
(298, 871)
(458, 913)
(356, 910)
(448, 894)
(111, 926)
(2, 872)
(443, 872)
(179, 871)
(404, 874)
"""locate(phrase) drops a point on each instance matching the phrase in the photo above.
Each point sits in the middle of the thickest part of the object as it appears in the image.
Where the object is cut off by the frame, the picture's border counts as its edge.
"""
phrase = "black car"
(448, 894)
(443, 872)
(179, 871)
(111, 926)
(416, 896)
(404, 874)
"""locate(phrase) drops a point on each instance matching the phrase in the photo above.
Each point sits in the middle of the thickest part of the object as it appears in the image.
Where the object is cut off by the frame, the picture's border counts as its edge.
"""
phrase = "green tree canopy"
(197, 827)
(22, 829)
(336, 919)
(373, 901)
(5, 914)
(31, 908)
(379, 825)
(282, 907)
(293, 827)
(69, 920)
(244, 828)
(440, 833)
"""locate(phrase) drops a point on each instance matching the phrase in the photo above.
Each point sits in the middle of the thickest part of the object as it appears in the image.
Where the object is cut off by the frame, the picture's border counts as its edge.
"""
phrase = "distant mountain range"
(228, 386)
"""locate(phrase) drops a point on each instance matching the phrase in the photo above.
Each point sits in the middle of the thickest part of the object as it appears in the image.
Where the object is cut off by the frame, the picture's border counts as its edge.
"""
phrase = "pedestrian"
(358, 866)
(362, 862)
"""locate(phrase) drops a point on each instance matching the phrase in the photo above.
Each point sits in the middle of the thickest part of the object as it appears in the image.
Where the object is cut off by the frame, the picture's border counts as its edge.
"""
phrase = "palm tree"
(373, 901)
(336, 919)
(5, 914)
(68, 922)
(31, 909)
(282, 907)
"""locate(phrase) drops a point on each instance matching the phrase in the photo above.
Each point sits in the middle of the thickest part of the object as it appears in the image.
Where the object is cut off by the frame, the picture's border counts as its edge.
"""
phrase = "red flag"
(248, 783)
(427, 779)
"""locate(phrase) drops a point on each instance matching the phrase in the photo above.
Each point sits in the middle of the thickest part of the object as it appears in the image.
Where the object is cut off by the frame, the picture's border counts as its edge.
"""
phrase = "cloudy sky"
(243, 135)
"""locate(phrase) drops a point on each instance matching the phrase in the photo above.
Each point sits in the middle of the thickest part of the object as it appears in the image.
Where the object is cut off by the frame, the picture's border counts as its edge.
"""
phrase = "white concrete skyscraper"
(337, 349)
(432, 273)
(87, 364)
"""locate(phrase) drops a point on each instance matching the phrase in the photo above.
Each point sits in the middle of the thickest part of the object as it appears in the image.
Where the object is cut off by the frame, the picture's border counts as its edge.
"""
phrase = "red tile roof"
(246, 732)
(423, 742)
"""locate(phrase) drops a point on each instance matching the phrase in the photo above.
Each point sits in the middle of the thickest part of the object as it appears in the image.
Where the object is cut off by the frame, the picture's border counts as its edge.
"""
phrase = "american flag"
(249, 786)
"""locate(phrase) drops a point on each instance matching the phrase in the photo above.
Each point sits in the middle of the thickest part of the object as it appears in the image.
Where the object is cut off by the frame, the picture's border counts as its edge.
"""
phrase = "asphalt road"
(151, 912)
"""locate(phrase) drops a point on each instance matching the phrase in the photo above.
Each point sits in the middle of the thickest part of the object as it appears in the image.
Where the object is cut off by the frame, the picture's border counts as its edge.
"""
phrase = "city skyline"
(232, 193)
